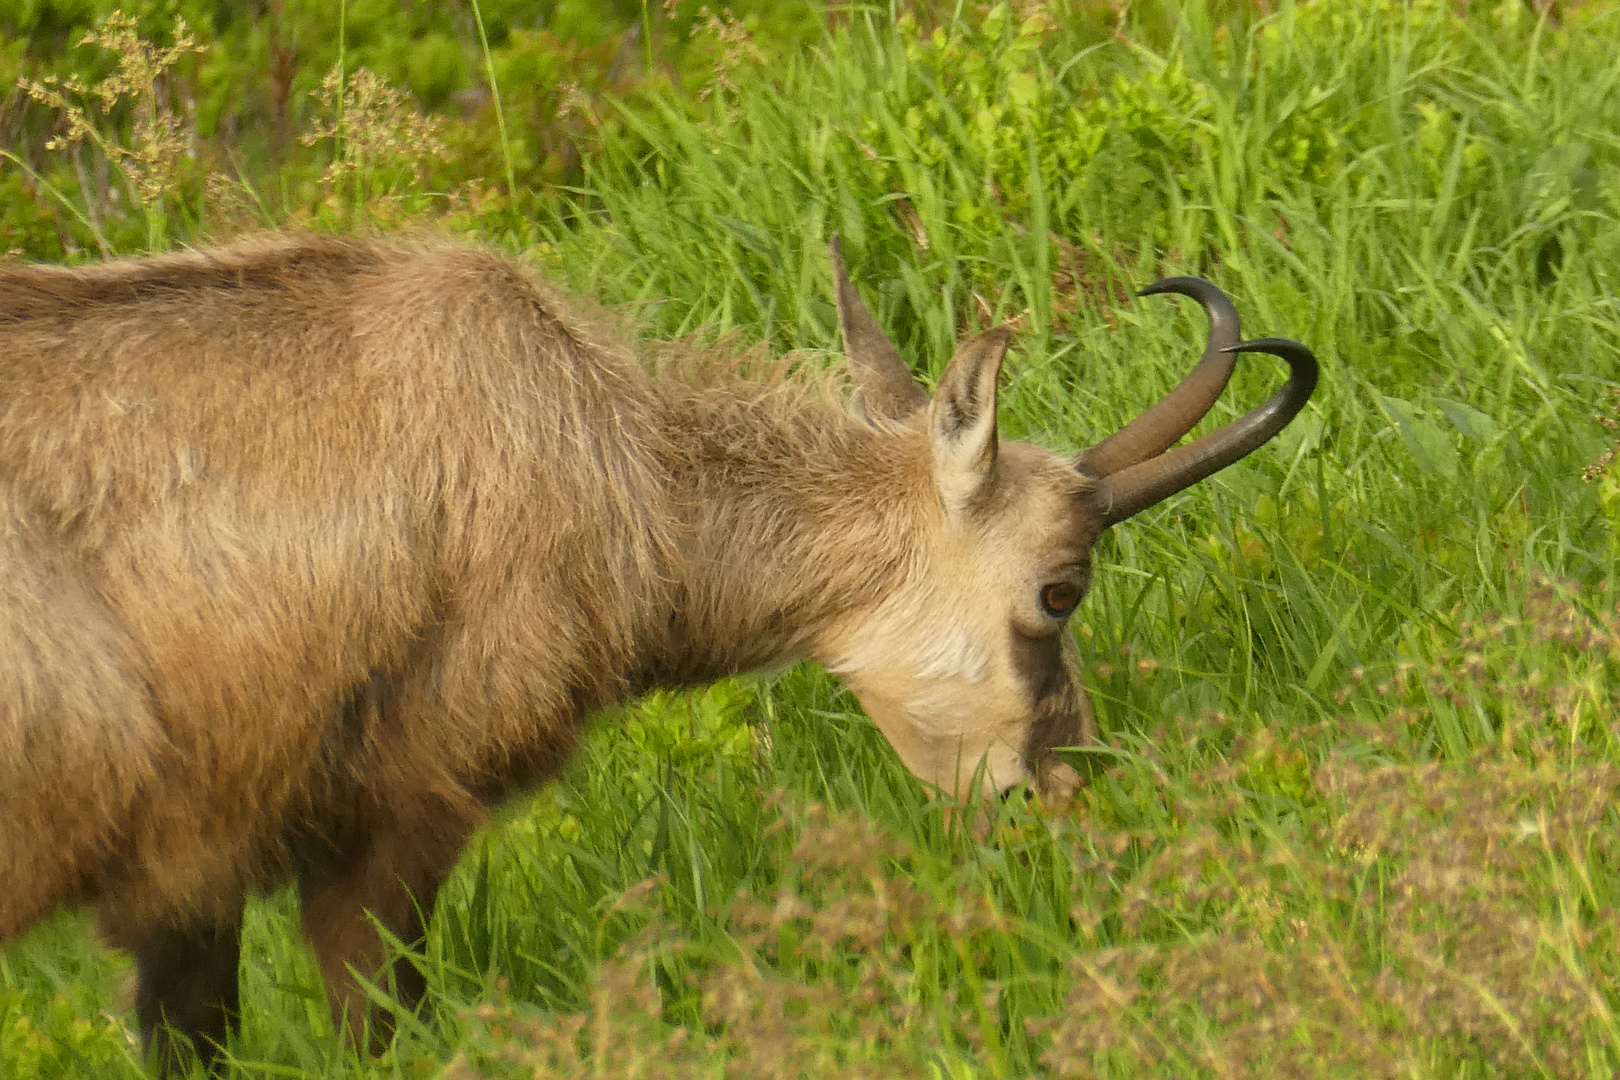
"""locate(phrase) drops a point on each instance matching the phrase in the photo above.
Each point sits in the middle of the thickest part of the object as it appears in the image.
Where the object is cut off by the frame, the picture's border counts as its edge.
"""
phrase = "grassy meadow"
(1355, 815)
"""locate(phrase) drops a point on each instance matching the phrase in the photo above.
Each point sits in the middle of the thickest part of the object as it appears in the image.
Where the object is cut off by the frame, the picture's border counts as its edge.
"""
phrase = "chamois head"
(966, 668)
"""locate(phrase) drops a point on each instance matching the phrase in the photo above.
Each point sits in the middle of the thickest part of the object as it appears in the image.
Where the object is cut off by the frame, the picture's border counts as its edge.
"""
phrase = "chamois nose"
(1019, 790)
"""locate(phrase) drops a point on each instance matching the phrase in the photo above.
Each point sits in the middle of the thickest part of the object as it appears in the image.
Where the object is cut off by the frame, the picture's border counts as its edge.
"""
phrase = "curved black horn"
(1158, 429)
(1139, 486)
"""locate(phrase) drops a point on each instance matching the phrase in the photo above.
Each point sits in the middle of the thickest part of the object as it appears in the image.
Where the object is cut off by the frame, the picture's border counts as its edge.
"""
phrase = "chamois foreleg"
(386, 871)
(187, 994)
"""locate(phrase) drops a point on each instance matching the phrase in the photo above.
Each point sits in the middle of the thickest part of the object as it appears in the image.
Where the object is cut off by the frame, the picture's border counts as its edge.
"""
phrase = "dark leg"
(390, 873)
(188, 991)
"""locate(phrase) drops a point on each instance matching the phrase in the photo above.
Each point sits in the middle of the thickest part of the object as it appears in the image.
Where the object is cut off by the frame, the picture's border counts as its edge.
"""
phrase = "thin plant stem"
(342, 93)
(495, 97)
(85, 188)
(57, 194)
(646, 33)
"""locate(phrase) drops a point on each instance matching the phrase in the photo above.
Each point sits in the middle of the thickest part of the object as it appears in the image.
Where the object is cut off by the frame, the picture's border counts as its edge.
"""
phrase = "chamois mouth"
(1053, 782)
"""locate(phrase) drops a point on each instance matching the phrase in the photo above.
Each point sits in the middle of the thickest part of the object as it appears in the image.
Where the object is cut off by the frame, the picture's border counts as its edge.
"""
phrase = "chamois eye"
(1060, 599)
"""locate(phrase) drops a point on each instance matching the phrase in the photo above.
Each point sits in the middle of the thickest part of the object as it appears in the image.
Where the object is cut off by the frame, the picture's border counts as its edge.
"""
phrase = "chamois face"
(964, 666)
(968, 668)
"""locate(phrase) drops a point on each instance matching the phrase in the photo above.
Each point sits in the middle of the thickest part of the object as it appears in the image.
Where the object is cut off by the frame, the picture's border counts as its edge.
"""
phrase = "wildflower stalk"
(382, 135)
(151, 163)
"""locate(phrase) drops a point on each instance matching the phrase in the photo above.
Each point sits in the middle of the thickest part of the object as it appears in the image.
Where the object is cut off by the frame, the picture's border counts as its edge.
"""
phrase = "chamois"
(316, 548)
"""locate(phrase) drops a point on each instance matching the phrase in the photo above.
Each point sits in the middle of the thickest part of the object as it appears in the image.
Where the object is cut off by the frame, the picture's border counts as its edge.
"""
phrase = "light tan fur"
(314, 549)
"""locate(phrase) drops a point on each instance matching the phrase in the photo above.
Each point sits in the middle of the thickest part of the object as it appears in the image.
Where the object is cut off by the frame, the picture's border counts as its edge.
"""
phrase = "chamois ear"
(883, 384)
(962, 421)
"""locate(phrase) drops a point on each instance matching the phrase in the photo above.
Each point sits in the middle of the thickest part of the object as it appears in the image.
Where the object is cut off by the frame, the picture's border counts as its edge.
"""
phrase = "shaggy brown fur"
(314, 549)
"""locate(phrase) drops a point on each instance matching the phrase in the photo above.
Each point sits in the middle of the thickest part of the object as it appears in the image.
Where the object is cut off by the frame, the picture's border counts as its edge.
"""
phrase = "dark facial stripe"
(1054, 702)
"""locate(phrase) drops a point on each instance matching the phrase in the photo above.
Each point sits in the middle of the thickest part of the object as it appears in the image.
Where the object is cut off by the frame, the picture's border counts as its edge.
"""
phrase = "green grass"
(1358, 818)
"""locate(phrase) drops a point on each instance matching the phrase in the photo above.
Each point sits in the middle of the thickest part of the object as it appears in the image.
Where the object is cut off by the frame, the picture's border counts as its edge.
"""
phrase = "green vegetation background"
(1355, 815)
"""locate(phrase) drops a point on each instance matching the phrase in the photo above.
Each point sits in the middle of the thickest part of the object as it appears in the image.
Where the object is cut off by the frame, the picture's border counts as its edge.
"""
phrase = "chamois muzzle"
(1132, 469)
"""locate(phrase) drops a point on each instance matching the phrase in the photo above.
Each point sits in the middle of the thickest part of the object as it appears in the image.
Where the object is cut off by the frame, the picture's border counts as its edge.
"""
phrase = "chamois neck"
(796, 514)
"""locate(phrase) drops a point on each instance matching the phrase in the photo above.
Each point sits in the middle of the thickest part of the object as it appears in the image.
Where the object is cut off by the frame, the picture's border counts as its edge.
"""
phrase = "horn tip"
(1274, 346)
(1182, 285)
